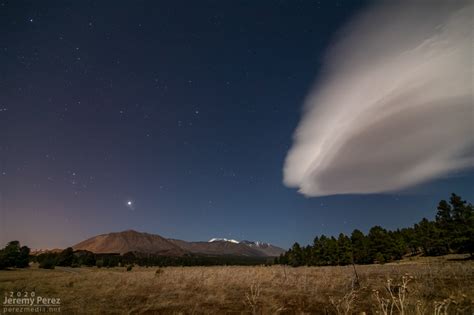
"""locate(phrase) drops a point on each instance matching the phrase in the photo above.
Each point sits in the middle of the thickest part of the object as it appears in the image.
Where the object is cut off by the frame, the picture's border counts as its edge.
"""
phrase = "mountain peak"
(130, 231)
(130, 241)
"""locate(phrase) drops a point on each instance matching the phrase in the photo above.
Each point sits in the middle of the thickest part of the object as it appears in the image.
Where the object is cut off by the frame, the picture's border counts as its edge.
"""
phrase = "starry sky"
(171, 117)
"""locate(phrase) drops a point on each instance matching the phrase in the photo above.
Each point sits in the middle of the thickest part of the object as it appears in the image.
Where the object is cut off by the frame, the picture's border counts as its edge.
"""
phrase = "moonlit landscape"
(237, 157)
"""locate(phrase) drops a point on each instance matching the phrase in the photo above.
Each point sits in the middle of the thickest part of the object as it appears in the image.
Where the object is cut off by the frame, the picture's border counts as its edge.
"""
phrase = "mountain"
(266, 248)
(218, 248)
(130, 241)
(133, 241)
(224, 246)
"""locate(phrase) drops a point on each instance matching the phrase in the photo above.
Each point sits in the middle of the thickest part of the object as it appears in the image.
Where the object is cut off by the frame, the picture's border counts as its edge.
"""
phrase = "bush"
(47, 263)
(129, 268)
(66, 257)
(379, 258)
(85, 258)
(99, 263)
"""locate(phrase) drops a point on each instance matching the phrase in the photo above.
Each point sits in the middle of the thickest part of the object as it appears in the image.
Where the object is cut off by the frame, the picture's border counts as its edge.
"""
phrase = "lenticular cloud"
(394, 104)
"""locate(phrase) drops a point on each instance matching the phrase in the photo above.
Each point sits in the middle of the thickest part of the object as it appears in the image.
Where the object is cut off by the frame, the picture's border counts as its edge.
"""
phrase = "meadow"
(422, 286)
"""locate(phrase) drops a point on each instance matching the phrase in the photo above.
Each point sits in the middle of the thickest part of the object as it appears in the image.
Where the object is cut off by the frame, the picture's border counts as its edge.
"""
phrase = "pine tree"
(295, 257)
(462, 231)
(315, 252)
(445, 225)
(398, 247)
(360, 247)
(411, 241)
(344, 247)
(429, 236)
(332, 252)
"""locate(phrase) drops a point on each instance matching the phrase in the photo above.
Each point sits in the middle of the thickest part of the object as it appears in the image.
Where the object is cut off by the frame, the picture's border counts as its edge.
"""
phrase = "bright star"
(130, 205)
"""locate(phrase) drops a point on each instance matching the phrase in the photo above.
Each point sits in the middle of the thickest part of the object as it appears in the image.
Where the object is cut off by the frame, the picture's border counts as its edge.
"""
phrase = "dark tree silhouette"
(14, 256)
(452, 231)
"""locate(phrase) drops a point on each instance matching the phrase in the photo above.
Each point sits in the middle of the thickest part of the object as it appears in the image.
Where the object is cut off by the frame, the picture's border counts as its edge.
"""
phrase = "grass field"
(430, 286)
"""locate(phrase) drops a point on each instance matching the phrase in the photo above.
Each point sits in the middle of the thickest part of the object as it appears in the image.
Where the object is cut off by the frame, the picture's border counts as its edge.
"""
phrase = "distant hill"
(133, 241)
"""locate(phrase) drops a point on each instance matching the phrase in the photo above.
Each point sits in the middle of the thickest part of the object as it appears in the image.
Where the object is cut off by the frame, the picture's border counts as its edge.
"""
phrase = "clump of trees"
(66, 258)
(452, 231)
(14, 255)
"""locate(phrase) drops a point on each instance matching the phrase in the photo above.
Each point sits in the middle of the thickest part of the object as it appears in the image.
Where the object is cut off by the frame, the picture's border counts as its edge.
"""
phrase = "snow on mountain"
(265, 248)
(219, 239)
(255, 243)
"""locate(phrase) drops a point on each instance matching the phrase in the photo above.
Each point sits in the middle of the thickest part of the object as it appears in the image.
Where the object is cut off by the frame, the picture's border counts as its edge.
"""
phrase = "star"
(130, 205)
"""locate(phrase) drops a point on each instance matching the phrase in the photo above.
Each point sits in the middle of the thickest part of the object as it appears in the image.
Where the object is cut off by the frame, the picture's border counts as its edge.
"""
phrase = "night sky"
(185, 109)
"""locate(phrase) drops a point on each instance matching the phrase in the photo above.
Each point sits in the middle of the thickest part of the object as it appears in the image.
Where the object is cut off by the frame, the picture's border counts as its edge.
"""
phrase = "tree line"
(71, 258)
(16, 256)
(452, 231)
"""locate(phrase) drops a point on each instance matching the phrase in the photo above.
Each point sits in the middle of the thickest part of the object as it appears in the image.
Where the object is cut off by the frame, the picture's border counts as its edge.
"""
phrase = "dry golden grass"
(427, 287)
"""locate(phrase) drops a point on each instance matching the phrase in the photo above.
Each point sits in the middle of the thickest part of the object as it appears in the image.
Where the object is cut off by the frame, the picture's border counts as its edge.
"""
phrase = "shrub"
(47, 263)
(66, 257)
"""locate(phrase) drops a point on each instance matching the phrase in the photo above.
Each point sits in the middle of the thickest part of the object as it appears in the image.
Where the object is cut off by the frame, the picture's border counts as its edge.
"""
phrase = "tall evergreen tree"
(379, 242)
(445, 224)
(344, 250)
(398, 247)
(411, 241)
(295, 257)
(360, 247)
(462, 231)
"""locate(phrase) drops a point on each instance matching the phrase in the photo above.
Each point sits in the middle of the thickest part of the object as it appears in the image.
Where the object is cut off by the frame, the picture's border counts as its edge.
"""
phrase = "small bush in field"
(129, 268)
(47, 263)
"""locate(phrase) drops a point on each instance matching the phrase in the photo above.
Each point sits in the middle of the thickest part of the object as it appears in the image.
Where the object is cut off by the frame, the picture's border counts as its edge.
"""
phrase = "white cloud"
(393, 106)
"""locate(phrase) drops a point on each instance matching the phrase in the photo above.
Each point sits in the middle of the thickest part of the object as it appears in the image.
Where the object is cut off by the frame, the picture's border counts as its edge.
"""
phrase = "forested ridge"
(452, 231)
